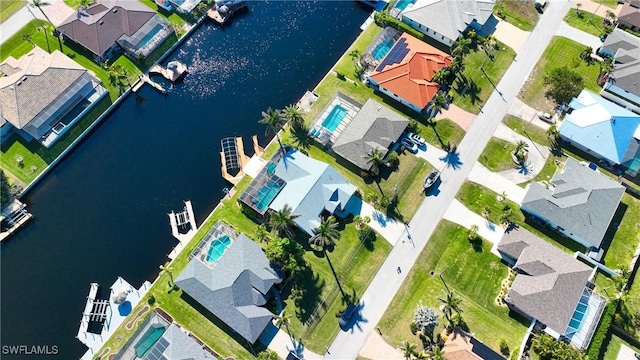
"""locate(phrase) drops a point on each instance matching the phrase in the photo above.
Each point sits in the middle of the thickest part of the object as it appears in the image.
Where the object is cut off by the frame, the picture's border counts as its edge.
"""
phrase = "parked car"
(347, 315)
(416, 139)
(546, 117)
(410, 145)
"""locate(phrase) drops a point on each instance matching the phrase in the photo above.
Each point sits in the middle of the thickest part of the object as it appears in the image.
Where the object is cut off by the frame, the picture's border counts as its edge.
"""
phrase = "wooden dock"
(173, 72)
(15, 215)
(146, 79)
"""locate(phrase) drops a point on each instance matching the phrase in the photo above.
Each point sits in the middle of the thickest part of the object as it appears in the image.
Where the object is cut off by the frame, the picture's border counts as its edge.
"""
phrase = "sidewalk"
(496, 182)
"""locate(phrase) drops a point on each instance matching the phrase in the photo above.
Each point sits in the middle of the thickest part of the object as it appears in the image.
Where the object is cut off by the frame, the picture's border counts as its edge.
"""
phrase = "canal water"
(103, 211)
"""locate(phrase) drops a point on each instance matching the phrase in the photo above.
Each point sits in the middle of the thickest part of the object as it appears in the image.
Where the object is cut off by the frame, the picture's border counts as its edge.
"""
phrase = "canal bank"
(102, 212)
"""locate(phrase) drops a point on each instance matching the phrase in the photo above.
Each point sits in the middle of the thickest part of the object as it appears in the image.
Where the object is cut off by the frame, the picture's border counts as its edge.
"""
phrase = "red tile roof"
(410, 79)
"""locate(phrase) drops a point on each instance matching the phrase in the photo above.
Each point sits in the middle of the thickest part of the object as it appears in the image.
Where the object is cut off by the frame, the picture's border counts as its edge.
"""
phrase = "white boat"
(431, 179)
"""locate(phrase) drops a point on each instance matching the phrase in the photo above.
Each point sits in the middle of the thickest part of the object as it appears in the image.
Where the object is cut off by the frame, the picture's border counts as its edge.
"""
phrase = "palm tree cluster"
(276, 120)
(282, 221)
(410, 351)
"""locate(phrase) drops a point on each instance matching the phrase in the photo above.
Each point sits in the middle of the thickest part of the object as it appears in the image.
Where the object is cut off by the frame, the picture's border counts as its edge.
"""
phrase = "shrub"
(596, 348)
(504, 347)
(414, 327)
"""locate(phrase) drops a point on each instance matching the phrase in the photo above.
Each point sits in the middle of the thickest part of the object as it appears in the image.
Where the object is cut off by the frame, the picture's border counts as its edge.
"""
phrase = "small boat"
(431, 179)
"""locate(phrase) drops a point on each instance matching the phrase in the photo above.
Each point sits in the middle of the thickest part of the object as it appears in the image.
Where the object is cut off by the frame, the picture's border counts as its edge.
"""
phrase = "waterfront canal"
(103, 211)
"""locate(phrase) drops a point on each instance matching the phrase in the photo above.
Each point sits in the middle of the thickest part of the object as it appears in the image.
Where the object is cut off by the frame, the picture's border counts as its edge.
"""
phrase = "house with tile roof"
(106, 26)
(579, 203)
(551, 287)
(406, 72)
(229, 275)
(622, 85)
(42, 95)
(375, 126)
(444, 20)
(604, 129)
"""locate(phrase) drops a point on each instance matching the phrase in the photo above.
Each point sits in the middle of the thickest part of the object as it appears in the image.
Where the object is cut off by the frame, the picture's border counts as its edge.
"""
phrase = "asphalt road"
(387, 281)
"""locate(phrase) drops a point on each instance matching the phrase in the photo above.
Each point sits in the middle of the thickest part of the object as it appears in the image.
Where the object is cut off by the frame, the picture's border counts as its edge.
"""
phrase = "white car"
(410, 145)
(416, 139)
(546, 117)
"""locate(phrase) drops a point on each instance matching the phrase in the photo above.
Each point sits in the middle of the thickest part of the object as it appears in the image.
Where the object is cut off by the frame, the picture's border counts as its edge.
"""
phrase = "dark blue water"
(103, 211)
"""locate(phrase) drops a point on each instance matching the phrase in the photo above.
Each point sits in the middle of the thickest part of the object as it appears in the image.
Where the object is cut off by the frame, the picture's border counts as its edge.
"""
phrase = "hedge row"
(596, 348)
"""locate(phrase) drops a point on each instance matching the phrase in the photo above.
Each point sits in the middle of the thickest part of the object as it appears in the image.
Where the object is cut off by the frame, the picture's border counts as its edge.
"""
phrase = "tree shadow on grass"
(611, 232)
(467, 88)
(308, 286)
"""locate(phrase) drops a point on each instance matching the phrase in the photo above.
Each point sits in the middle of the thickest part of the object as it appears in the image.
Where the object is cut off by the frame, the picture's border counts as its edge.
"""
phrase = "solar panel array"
(395, 56)
(231, 157)
(156, 353)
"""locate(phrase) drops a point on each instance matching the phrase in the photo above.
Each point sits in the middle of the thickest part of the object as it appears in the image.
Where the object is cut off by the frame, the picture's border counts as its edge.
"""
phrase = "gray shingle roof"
(447, 17)
(311, 187)
(580, 200)
(626, 76)
(629, 15)
(36, 80)
(622, 40)
(549, 283)
(375, 126)
(234, 288)
(181, 346)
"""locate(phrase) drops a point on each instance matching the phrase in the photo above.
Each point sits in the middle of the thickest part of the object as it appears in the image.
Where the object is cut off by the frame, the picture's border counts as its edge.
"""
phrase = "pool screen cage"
(218, 230)
(265, 182)
(144, 41)
(231, 155)
(388, 34)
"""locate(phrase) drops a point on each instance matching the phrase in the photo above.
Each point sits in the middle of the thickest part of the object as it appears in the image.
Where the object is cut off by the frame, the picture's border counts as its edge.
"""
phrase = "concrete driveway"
(626, 353)
(525, 112)
(578, 35)
(511, 35)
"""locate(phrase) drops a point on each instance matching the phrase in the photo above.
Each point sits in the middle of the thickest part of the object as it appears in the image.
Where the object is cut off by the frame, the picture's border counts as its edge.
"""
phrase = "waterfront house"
(603, 129)
(551, 287)
(42, 95)
(578, 203)
(165, 4)
(106, 26)
(622, 86)
(445, 20)
(230, 276)
(406, 72)
(185, 6)
(310, 187)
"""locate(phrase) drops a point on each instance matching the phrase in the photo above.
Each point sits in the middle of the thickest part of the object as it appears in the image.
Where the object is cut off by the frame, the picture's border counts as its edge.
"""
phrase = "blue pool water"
(382, 49)
(147, 340)
(217, 248)
(266, 195)
(145, 40)
(402, 4)
(334, 118)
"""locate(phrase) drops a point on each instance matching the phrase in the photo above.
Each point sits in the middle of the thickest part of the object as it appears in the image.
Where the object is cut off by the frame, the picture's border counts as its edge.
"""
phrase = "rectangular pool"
(148, 340)
(382, 49)
(334, 118)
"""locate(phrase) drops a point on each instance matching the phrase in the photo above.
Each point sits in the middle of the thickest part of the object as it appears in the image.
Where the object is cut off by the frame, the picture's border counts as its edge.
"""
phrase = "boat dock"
(184, 220)
(173, 72)
(14, 216)
(221, 13)
(108, 313)
(146, 79)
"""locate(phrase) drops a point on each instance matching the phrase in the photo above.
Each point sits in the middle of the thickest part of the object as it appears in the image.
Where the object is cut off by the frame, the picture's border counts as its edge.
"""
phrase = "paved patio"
(626, 353)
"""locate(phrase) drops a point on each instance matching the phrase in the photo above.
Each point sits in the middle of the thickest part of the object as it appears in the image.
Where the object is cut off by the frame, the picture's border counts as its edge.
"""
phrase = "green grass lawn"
(561, 51)
(586, 22)
(345, 65)
(614, 347)
(497, 155)
(535, 133)
(445, 130)
(10, 7)
(630, 307)
(520, 13)
(473, 275)
(475, 86)
(626, 236)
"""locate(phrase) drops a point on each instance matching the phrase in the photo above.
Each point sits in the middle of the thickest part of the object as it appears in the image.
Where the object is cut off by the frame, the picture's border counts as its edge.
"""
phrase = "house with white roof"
(604, 129)
(445, 20)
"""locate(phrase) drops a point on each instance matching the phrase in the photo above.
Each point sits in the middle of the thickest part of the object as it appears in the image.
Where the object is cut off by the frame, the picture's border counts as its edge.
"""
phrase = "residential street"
(387, 281)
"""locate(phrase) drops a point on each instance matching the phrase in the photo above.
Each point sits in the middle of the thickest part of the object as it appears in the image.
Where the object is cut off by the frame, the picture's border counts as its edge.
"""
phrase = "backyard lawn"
(481, 74)
(345, 65)
(586, 22)
(520, 13)
(614, 348)
(497, 155)
(10, 7)
(626, 236)
(473, 274)
(561, 51)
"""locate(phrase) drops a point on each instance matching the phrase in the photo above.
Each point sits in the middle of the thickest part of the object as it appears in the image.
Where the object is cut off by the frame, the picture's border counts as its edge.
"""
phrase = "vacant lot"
(521, 13)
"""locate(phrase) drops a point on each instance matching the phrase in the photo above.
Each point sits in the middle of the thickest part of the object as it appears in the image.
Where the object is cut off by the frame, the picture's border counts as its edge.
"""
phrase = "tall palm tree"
(437, 104)
(274, 121)
(326, 235)
(284, 319)
(166, 268)
(461, 47)
(408, 349)
(375, 160)
(553, 133)
(282, 221)
(457, 65)
(436, 353)
(300, 137)
(40, 4)
(293, 114)
(441, 76)
(450, 303)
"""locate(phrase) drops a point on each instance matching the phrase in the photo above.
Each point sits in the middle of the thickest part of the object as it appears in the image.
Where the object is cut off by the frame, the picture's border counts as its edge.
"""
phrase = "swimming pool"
(266, 194)
(402, 4)
(334, 118)
(217, 248)
(147, 340)
(382, 49)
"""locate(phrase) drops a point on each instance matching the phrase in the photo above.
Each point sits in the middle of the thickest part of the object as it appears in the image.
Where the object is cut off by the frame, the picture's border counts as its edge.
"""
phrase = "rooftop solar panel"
(395, 56)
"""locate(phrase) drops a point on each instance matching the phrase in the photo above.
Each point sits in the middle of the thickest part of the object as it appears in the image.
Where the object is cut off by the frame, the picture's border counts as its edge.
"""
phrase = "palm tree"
(486, 212)
(457, 65)
(284, 319)
(461, 47)
(408, 349)
(436, 353)
(507, 217)
(450, 303)
(521, 147)
(441, 76)
(578, 6)
(438, 102)
(300, 137)
(293, 115)
(274, 121)
(166, 268)
(355, 56)
(282, 221)
(39, 4)
(553, 133)
(610, 15)
(326, 235)
(375, 160)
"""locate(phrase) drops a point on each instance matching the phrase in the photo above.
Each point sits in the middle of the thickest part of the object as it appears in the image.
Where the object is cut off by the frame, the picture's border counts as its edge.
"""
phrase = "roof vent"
(115, 11)
(19, 82)
(100, 22)
(24, 78)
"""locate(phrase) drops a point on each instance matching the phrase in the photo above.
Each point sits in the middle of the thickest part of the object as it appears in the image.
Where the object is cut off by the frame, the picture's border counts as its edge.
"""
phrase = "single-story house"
(622, 85)
(551, 287)
(229, 275)
(42, 95)
(629, 16)
(579, 203)
(603, 129)
(107, 25)
(445, 20)
(310, 187)
(406, 72)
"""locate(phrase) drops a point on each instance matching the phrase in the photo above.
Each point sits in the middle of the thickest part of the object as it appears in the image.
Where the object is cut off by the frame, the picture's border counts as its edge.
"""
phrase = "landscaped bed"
(497, 155)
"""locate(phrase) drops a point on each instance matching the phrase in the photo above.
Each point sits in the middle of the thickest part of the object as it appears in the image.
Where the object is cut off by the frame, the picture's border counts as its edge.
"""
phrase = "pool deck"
(183, 239)
(113, 318)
